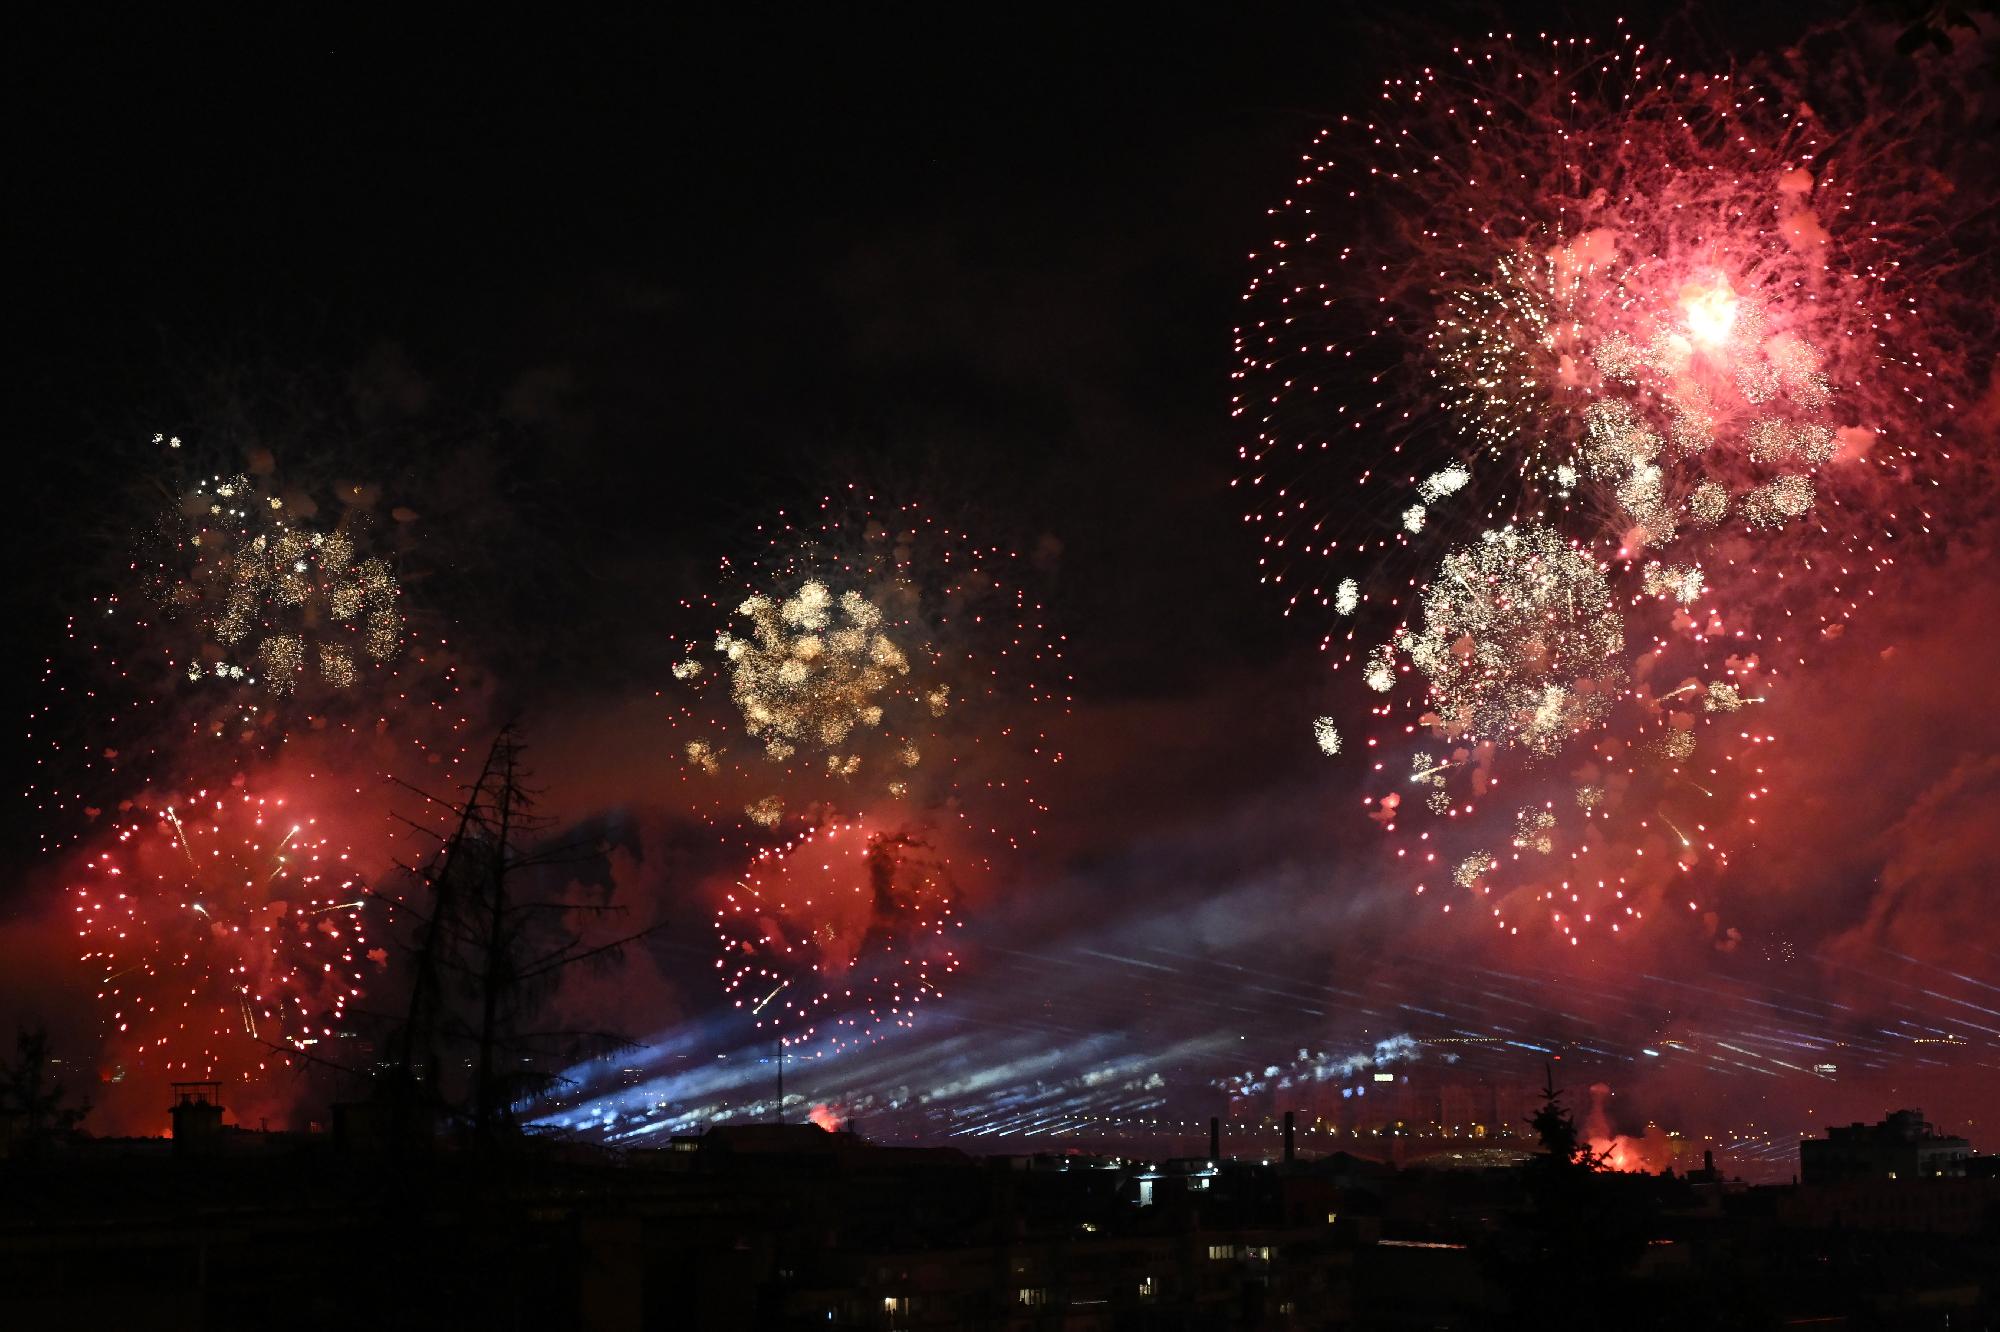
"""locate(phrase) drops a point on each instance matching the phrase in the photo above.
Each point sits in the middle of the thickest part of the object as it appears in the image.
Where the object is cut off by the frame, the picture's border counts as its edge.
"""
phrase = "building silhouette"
(1902, 1146)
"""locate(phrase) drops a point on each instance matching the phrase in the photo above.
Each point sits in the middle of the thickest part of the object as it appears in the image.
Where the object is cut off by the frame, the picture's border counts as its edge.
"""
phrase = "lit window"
(1332, 1217)
(1033, 1297)
(895, 1304)
(1217, 1252)
(1146, 1288)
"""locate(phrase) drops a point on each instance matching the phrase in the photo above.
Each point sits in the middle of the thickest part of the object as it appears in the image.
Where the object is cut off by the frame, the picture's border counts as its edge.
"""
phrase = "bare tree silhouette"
(489, 947)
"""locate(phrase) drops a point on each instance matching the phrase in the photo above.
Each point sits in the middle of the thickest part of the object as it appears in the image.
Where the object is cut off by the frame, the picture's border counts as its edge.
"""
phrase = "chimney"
(1708, 1164)
(1291, 1129)
(197, 1117)
(1215, 1138)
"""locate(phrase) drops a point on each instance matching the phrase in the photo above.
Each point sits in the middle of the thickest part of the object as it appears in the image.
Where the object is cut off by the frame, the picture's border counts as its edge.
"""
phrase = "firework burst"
(839, 933)
(249, 631)
(224, 929)
(278, 603)
(266, 601)
(1519, 640)
(1580, 393)
(878, 687)
(872, 662)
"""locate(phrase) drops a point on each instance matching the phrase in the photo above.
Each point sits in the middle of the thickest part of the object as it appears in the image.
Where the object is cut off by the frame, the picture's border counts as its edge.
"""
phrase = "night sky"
(595, 301)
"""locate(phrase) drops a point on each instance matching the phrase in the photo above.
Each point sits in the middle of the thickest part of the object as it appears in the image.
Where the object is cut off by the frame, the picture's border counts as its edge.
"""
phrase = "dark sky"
(705, 268)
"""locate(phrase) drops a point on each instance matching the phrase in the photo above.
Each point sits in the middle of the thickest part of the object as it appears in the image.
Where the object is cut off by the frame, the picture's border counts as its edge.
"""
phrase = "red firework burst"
(225, 929)
(1581, 394)
(845, 927)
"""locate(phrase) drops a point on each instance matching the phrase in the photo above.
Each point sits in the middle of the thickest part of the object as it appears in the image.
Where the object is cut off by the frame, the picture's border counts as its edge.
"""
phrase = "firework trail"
(1581, 394)
(223, 929)
(870, 668)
